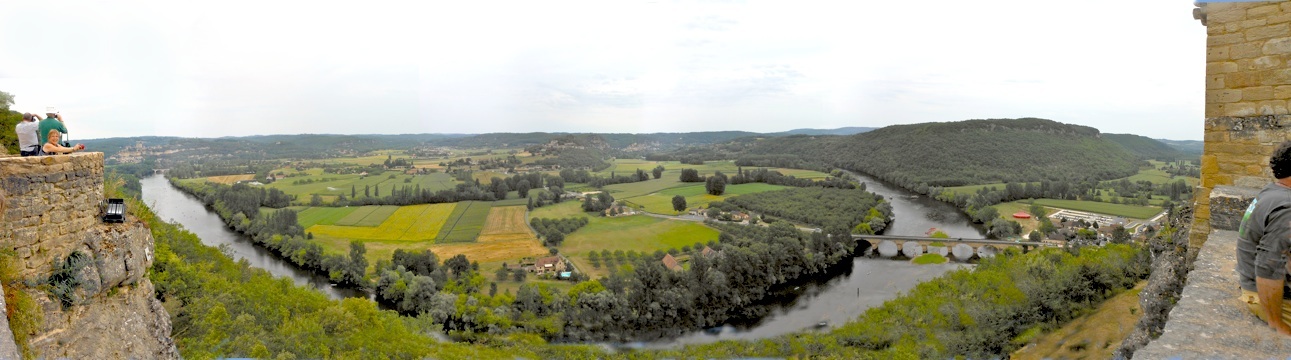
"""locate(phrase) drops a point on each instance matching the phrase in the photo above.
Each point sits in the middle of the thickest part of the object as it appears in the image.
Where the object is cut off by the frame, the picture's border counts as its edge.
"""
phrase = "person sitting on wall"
(1263, 239)
(28, 141)
(52, 147)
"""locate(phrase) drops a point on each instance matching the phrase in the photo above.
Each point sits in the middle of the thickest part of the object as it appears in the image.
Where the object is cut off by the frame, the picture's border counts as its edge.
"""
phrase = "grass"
(368, 216)
(635, 189)
(927, 259)
(407, 223)
(322, 215)
(353, 184)
(506, 223)
(230, 179)
(1128, 211)
(661, 202)
(640, 233)
(566, 209)
(1155, 175)
(465, 223)
(1101, 330)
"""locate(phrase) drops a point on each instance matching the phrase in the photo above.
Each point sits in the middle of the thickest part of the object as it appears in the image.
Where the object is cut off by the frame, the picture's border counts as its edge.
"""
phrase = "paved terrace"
(1209, 322)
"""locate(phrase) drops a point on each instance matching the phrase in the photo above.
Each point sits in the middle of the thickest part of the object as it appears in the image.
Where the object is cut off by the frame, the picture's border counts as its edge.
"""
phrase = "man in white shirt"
(28, 141)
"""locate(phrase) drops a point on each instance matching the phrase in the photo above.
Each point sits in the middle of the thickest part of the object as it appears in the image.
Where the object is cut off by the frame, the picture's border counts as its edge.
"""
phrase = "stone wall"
(1248, 86)
(49, 209)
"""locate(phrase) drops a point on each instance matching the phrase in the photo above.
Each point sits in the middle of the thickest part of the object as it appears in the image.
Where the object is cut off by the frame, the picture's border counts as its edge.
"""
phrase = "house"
(671, 263)
(707, 252)
(548, 264)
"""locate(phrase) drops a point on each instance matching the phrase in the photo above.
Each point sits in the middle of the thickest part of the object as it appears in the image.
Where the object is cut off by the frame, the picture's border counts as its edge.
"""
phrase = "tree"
(1035, 236)
(458, 265)
(352, 192)
(679, 203)
(518, 275)
(713, 213)
(690, 175)
(522, 187)
(315, 200)
(985, 215)
(502, 273)
(358, 262)
(716, 184)
(657, 171)
(1120, 235)
(1001, 229)
(1037, 211)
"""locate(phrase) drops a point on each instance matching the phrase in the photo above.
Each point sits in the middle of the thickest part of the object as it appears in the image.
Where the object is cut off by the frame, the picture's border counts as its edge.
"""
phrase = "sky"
(236, 68)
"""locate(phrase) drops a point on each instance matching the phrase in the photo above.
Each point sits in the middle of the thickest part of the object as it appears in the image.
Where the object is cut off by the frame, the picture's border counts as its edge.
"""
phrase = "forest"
(823, 207)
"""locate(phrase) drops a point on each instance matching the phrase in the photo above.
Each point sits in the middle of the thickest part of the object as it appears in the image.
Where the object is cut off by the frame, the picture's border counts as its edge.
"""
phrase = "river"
(175, 206)
(867, 283)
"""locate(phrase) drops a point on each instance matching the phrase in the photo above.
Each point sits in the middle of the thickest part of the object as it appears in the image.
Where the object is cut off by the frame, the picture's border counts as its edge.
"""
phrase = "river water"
(867, 283)
(176, 206)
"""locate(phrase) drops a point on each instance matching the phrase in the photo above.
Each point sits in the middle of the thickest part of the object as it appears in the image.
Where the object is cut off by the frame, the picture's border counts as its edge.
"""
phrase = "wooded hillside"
(1147, 148)
(966, 152)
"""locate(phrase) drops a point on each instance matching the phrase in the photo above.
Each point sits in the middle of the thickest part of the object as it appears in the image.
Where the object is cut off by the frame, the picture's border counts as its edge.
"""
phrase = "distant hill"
(1193, 148)
(963, 152)
(1146, 148)
(851, 130)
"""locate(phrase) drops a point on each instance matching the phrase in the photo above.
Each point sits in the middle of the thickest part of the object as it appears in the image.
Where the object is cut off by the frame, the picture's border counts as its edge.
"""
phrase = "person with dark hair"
(28, 141)
(1264, 238)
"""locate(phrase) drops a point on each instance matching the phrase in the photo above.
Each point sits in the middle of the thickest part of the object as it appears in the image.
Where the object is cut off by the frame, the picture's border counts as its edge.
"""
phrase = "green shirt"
(48, 124)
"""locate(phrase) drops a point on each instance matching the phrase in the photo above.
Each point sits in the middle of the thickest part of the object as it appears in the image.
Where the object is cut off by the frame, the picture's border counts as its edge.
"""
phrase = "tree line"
(824, 207)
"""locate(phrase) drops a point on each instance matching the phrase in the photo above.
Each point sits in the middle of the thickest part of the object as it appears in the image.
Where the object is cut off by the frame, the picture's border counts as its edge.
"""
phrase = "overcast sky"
(233, 68)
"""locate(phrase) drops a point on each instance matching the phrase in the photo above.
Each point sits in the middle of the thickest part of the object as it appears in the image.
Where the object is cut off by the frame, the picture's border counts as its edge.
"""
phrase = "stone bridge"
(962, 249)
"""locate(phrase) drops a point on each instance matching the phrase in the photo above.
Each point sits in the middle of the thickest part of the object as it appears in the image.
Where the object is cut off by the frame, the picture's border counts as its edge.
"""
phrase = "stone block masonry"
(51, 204)
(1248, 92)
(49, 209)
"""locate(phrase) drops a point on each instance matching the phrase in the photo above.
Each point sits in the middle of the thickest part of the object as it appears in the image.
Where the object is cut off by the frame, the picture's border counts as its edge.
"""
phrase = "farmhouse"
(671, 263)
(549, 264)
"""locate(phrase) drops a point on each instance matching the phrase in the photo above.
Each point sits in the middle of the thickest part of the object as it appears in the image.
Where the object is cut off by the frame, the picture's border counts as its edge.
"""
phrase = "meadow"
(506, 223)
(368, 216)
(407, 223)
(639, 233)
(661, 202)
(231, 179)
(353, 184)
(465, 222)
(1128, 211)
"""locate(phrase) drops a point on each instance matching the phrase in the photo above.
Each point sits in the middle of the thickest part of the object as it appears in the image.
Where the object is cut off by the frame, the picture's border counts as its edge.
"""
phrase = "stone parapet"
(49, 205)
(50, 208)
(1228, 204)
(1210, 322)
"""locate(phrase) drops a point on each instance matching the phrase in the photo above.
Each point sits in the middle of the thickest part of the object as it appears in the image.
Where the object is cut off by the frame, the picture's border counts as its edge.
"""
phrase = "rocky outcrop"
(49, 210)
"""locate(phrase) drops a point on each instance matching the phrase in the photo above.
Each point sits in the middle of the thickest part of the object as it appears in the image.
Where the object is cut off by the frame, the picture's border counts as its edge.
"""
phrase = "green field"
(629, 190)
(640, 233)
(353, 184)
(661, 202)
(407, 223)
(1156, 176)
(322, 215)
(368, 216)
(1129, 211)
(464, 223)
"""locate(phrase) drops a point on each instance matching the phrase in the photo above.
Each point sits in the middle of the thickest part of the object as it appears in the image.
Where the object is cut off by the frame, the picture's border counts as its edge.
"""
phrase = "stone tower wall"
(1248, 86)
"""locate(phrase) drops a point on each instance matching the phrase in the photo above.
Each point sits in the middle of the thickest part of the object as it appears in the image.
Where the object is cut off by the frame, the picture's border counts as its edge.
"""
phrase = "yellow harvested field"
(409, 223)
(498, 250)
(505, 224)
(231, 179)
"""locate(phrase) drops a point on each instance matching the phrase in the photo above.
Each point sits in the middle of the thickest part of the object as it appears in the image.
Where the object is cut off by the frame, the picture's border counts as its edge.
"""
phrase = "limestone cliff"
(49, 221)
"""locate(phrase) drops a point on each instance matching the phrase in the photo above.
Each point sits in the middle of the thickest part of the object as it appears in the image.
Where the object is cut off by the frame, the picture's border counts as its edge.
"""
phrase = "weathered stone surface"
(1228, 205)
(1209, 322)
(50, 207)
(129, 325)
